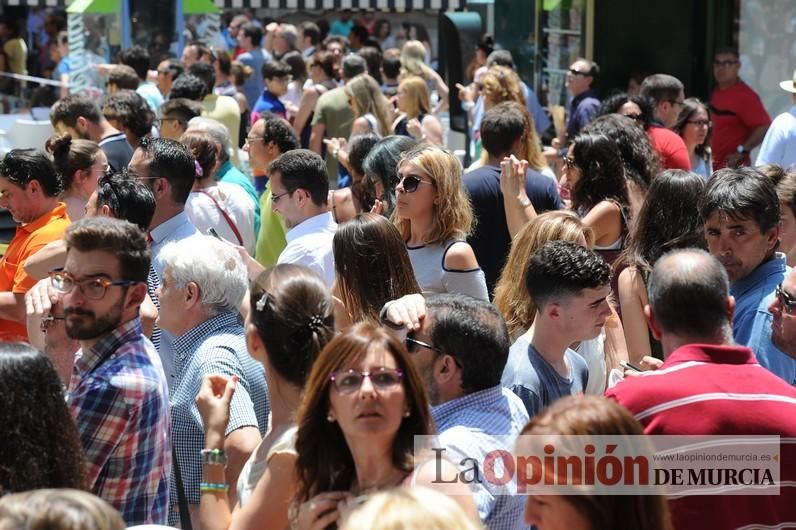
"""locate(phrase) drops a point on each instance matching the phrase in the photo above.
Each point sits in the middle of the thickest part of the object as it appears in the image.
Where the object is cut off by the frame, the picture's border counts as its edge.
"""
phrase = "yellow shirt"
(225, 110)
(271, 239)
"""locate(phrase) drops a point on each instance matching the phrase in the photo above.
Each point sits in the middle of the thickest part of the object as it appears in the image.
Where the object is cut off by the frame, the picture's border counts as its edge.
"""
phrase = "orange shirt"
(28, 239)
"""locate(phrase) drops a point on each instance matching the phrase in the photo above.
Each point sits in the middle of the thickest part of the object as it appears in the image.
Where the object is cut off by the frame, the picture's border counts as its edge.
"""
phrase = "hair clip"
(260, 305)
(315, 322)
(199, 171)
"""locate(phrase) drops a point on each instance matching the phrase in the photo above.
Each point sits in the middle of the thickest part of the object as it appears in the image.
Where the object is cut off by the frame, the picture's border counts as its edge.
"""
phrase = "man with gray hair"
(200, 296)
(333, 116)
(226, 171)
(708, 385)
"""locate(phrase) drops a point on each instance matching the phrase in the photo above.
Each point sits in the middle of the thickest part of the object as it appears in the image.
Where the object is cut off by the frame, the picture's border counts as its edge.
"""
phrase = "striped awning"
(35, 3)
(387, 5)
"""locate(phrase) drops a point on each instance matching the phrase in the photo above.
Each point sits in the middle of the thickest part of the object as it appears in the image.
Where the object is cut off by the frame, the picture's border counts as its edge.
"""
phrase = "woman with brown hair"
(434, 216)
(590, 416)
(415, 119)
(224, 207)
(80, 163)
(290, 321)
(372, 268)
(364, 404)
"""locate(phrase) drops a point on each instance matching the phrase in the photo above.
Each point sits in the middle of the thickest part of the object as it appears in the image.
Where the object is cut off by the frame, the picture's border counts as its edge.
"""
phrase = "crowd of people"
(247, 280)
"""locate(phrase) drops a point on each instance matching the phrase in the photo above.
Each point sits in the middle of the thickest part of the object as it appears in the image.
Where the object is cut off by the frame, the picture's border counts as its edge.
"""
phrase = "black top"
(491, 241)
(400, 127)
(117, 150)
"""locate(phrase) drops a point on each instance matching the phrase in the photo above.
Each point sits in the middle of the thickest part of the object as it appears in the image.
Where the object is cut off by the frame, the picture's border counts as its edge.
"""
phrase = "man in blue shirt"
(249, 38)
(460, 347)
(741, 214)
(584, 104)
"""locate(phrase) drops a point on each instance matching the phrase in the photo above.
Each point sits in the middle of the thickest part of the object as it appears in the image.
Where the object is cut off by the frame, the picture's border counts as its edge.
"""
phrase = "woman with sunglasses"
(80, 163)
(290, 321)
(380, 169)
(364, 403)
(593, 177)
(372, 268)
(434, 216)
(695, 128)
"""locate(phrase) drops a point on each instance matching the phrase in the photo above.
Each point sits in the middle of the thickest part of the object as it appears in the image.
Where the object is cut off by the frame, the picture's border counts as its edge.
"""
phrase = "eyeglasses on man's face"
(350, 381)
(275, 198)
(787, 301)
(91, 288)
(724, 64)
(573, 71)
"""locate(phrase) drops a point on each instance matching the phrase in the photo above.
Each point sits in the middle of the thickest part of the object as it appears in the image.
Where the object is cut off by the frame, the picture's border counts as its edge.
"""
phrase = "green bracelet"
(213, 486)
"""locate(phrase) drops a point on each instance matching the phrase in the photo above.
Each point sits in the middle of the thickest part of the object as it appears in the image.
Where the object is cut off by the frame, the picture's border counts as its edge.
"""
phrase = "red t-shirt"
(670, 148)
(706, 389)
(736, 111)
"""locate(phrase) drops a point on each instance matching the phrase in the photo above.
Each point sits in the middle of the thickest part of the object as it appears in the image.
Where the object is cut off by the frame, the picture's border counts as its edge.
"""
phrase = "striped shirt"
(216, 346)
(708, 389)
(470, 427)
(119, 398)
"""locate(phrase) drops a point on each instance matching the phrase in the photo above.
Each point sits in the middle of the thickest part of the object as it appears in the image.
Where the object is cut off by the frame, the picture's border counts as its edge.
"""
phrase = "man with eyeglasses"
(175, 114)
(300, 190)
(708, 385)
(584, 104)
(118, 393)
(740, 210)
(29, 189)
(739, 119)
(783, 312)
(460, 346)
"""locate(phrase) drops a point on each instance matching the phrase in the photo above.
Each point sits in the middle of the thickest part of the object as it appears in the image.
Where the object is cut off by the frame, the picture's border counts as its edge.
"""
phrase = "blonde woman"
(498, 85)
(434, 216)
(415, 119)
(413, 64)
(518, 309)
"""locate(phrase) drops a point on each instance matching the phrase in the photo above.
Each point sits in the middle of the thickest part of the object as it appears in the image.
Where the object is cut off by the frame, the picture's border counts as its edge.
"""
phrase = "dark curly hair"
(40, 445)
(602, 172)
(132, 111)
(661, 229)
(277, 130)
(612, 104)
(563, 268)
(638, 156)
(137, 58)
(285, 301)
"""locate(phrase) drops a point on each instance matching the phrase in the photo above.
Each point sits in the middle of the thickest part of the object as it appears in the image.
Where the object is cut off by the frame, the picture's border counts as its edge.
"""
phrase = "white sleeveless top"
(255, 466)
(428, 262)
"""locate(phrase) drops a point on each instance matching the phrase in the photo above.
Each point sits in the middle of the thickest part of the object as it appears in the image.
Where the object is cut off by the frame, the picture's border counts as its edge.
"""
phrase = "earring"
(407, 414)
(330, 418)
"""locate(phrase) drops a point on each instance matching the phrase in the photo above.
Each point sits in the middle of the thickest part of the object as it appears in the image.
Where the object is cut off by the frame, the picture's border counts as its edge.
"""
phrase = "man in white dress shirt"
(300, 188)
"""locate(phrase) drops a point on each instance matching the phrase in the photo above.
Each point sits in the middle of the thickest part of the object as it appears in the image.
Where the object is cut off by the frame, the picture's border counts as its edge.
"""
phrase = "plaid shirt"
(216, 346)
(119, 398)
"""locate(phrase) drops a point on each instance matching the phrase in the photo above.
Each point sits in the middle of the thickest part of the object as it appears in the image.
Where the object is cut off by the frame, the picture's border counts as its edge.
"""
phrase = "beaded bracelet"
(213, 486)
(214, 457)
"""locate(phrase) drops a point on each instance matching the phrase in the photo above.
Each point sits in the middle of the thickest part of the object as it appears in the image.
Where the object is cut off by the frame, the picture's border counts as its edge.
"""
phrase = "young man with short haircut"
(276, 76)
(570, 286)
(175, 115)
(666, 93)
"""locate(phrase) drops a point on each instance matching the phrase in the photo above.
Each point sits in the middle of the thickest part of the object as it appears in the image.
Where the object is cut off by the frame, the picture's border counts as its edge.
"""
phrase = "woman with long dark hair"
(695, 128)
(668, 220)
(372, 268)
(290, 321)
(41, 447)
(364, 404)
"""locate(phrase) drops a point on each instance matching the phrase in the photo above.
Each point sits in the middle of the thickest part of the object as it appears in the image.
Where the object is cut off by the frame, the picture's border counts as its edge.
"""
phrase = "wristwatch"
(525, 201)
(741, 150)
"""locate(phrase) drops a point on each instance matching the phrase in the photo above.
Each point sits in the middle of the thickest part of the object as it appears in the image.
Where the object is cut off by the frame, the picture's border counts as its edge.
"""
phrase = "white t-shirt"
(238, 205)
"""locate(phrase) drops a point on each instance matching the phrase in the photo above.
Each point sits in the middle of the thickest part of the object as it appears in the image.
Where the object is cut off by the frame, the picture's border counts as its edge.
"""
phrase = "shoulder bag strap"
(229, 220)
(182, 500)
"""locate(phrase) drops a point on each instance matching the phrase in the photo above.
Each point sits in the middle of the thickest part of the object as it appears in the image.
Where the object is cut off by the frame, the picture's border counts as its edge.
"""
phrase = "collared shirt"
(581, 111)
(711, 389)
(216, 346)
(779, 145)
(175, 229)
(149, 91)
(751, 323)
(471, 426)
(120, 401)
(310, 244)
(28, 239)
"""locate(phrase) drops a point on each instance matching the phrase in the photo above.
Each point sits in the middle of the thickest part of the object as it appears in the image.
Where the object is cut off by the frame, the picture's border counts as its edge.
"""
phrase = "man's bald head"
(688, 291)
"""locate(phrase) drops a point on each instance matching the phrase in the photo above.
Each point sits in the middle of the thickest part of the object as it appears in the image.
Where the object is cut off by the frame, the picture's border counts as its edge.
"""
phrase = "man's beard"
(96, 327)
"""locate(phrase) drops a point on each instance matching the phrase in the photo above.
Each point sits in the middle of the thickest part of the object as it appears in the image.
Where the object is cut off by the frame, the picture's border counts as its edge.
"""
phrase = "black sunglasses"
(411, 182)
(412, 344)
(788, 302)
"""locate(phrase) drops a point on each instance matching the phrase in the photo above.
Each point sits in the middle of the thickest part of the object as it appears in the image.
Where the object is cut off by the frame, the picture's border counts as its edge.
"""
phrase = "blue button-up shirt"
(216, 346)
(751, 324)
(470, 427)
